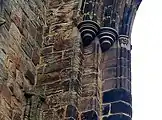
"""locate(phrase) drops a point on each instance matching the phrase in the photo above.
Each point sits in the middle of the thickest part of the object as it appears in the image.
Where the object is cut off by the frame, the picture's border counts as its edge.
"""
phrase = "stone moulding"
(116, 18)
(107, 37)
(88, 31)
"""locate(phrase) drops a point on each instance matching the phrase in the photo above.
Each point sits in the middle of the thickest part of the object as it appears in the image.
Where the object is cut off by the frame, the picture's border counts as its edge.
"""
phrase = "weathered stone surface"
(47, 74)
(109, 63)
(19, 54)
(54, 100)
(106, 109)
(60, 113)
(57, 55)
(90, 90)
(89, 78)
(121, 107)
(6, 94)
(48, 78)
(3, 74)
(35, 56)
(89, 49)
(90, 103)
(57, 86)
(111, 54)
(89, 115)
(57, 66)
(30, 76)
(49, 114)
(110, 84)
(89, 60)
(27, 48)
(47, 50)
(17, 116)
(116, 95)
(71, 111)
(109, 73)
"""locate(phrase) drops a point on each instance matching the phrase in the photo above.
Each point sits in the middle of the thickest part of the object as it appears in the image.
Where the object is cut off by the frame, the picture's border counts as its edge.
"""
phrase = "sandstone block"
(30, 76)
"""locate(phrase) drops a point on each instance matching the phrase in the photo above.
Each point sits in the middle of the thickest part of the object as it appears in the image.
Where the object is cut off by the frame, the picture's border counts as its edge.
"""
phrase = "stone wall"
(59, 69)
(20, 42)
(48, 73)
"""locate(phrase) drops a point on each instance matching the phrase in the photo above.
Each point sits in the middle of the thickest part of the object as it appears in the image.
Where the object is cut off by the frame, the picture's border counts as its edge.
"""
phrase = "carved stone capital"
(124, 41)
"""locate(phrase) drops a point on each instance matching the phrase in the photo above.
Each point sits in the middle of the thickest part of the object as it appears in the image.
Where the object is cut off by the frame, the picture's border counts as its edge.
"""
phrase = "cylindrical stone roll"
(89, 27)
(107, 36)
(88, 31)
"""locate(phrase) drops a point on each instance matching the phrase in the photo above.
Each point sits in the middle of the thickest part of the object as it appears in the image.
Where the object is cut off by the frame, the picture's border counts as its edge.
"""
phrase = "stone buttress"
(59, 71)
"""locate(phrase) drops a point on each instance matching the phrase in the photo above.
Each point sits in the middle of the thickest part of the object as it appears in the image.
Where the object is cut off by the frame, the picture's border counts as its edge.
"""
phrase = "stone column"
(117, 99)
(90, 101)
(116, 63)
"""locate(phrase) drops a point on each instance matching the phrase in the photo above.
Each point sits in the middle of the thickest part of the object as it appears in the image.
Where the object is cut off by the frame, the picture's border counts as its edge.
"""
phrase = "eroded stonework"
(66, 59)
(20, 38)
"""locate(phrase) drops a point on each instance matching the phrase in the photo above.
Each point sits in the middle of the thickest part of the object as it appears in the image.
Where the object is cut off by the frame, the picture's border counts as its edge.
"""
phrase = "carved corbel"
(107, 37)
(89, 27)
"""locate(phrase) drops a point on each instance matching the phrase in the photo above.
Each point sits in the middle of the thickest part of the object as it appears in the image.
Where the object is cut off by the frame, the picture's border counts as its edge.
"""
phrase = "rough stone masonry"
(66, 59)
